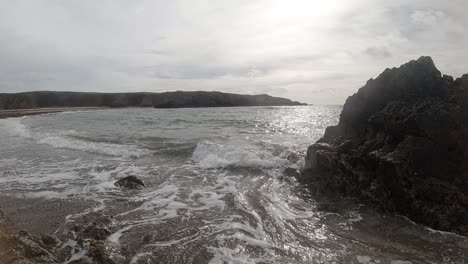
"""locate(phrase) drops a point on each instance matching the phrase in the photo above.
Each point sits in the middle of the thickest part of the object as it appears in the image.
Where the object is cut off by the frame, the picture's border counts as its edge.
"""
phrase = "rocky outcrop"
(90, 233)
(159, 100)
(98, 229)
(401, 145)
(92, 238)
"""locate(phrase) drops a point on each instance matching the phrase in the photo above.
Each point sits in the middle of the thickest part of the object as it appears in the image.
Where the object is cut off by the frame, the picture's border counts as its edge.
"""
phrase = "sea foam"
(14, 127)
(64, 140)
(110, 149)
(212, 155)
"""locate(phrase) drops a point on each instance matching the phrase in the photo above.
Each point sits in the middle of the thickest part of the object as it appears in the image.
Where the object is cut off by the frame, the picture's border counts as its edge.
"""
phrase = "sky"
(317, 52)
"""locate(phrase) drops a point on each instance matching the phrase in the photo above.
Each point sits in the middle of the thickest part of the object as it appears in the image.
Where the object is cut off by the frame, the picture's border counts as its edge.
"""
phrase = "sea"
(215, 187)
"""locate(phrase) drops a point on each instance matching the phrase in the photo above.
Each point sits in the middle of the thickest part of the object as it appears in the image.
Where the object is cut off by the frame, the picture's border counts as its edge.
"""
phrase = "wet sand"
(38, 215)
(38, 111)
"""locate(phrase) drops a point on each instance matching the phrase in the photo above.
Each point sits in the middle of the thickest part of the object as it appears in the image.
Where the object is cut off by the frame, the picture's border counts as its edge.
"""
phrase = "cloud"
(427, 17)
(381, 52)
(307, 50)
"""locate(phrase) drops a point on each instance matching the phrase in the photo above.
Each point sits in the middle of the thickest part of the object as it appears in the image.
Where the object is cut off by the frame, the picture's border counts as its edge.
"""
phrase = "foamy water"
(215, 189)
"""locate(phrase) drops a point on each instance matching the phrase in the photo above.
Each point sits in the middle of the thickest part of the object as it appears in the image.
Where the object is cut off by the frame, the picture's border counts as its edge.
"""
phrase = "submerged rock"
(401, 145)
(147, 239)
(98, 252)
(99, 229)
(91, 232)
(130, 182)
(291, 172)
(292, 157)
(49, 241)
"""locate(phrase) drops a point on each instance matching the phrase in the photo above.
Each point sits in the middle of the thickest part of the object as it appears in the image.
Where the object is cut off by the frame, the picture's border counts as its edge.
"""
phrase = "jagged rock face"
(402, 145)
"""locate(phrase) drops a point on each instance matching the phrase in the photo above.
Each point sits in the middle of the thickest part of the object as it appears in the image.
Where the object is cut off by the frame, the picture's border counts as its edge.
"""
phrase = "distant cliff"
(402, 145)
(158, 100)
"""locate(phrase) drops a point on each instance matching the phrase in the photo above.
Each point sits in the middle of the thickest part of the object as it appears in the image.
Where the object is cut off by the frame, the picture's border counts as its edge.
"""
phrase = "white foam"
(138, 256)
(86, 179)
(363, 259)
(434, 231)
(59, 141)
(355, 217)
(227, 255)
(211, 155)
(75, 255)
(14, 127)
(164, 201)
(116, 235)
(62, 139)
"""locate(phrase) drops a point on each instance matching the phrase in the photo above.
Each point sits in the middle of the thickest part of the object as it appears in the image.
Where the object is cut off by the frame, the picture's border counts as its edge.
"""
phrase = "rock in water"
(291, 172)
(402, 145)
(130, 182)
(99, 229)
(49, 241)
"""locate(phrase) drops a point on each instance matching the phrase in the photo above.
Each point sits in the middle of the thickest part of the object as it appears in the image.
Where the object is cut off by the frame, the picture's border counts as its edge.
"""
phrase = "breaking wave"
(14, 127)
(109, 149)
(64, 140)
(212, 155)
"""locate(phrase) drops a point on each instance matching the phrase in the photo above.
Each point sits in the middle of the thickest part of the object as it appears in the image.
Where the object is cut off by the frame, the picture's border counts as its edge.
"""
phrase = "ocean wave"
(14, 127)
(211, 155)
(69, 140)
(110, 149)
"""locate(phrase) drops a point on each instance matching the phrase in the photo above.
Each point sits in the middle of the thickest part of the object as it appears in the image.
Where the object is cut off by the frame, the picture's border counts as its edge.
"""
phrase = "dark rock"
(292, 157)
(64, 253)
(401, 145)
(291, 172)
(99, 252)
(49, 240)
(147, 239)
(99, 229)
(20, 247)
(130, 182)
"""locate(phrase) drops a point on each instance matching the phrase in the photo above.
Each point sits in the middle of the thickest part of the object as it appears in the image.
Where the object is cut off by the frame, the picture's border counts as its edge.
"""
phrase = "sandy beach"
(38, 111)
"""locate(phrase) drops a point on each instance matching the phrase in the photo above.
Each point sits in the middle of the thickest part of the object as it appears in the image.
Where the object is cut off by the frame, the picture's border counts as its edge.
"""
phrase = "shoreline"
(26, 212)
(38, 111)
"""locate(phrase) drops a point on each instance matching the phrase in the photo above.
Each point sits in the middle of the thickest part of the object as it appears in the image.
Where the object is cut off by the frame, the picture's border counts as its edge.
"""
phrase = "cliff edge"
(401, 145)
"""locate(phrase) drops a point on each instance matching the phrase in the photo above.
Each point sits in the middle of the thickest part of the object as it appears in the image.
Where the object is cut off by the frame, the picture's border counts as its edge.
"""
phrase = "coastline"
(39, 111)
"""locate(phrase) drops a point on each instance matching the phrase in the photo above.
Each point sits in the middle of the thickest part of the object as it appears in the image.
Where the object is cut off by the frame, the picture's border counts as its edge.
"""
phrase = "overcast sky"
(307, 50)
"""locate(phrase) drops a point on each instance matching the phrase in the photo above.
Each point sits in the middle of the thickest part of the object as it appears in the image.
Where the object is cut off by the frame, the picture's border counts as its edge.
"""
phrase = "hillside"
(158, 100)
